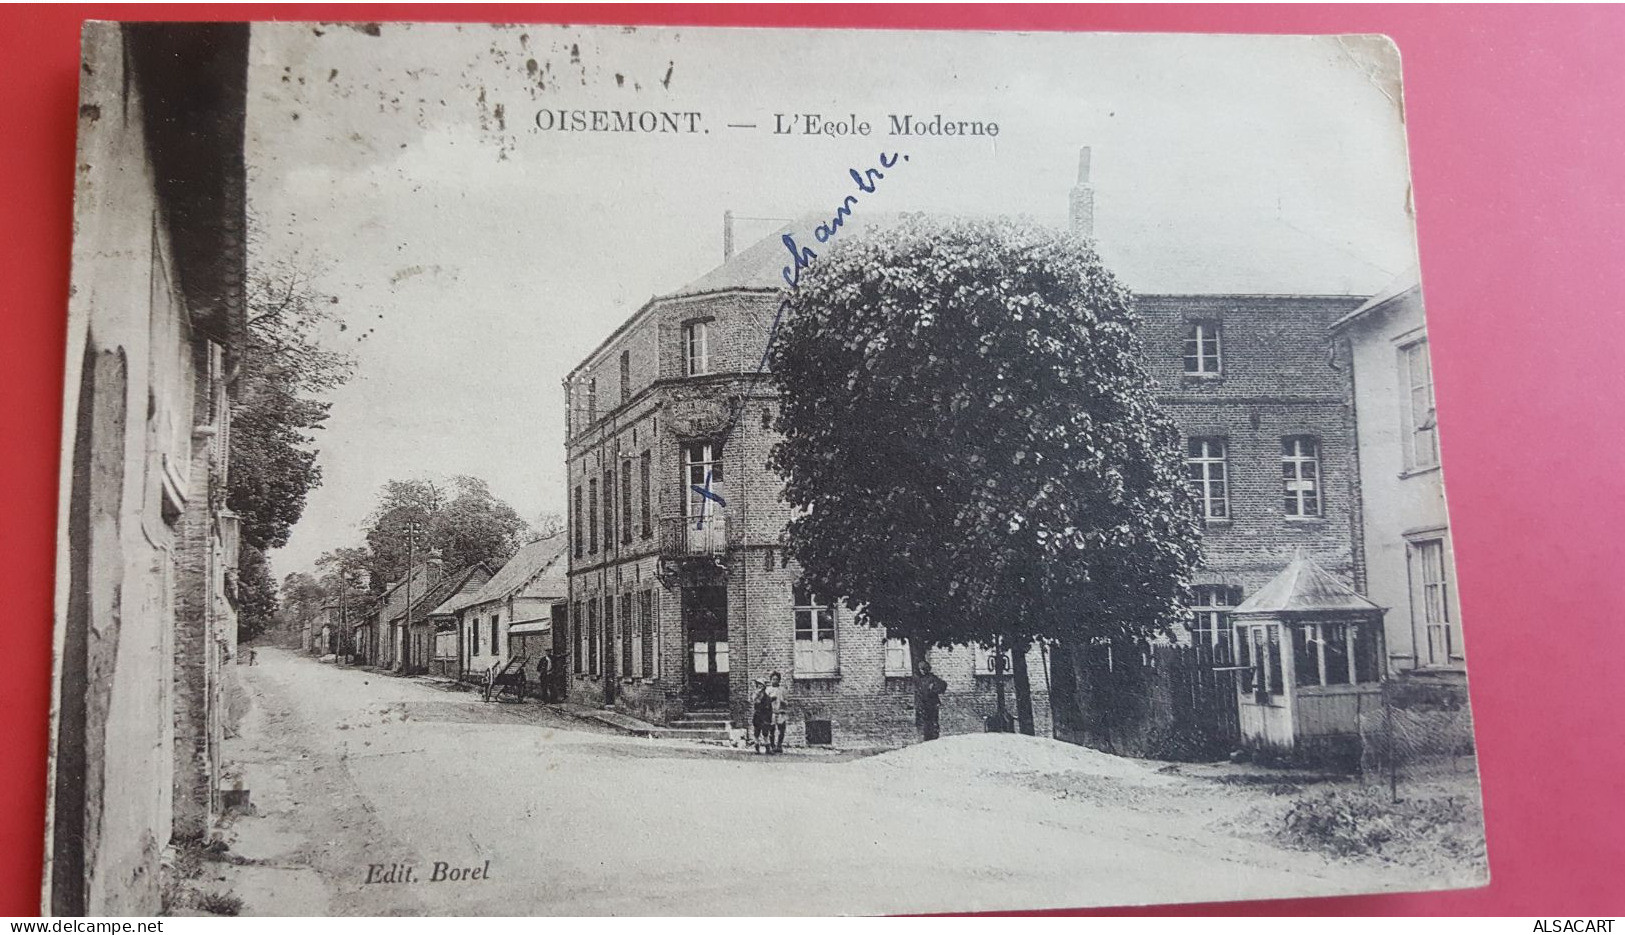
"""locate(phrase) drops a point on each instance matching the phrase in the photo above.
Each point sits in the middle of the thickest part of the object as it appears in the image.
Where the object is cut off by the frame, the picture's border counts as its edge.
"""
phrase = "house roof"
(1304, 587)
(392, 603)
(1405, 284)
(520, 577)
(449, 586)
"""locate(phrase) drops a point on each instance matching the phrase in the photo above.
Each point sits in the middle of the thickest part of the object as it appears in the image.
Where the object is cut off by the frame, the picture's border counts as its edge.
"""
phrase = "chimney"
(727, 236)
(436, 566)
(1081, 211)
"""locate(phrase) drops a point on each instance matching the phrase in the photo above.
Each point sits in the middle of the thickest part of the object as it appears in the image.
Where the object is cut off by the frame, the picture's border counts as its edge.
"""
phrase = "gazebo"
(1310, 651)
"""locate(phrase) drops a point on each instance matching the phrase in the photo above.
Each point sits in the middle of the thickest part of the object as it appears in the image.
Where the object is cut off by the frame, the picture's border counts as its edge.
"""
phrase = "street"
(351, 772)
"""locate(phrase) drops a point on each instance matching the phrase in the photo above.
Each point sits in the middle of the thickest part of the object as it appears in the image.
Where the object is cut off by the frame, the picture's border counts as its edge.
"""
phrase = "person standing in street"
(929, 698)
(779, 698)
(544, 676)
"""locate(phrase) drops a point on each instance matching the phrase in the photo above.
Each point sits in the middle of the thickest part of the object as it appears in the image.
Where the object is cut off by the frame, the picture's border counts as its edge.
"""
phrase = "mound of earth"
(1013, 753)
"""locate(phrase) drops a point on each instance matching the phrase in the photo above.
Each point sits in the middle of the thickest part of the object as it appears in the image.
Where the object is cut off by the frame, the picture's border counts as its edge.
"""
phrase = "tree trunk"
(1024, 690)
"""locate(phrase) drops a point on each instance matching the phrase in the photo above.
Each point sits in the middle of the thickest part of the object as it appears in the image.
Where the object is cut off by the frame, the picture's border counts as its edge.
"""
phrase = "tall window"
(645, 469)
(1205, 468)
(626, 501)
(609, 509)
(1417, 414)
(1430, 601)
(815, 636)
(579, 621)
(626, 375)
(592, 636)
(592, 515)
(702, 475)
(1260, 649)
(697, 347)
(575, 520)
(1210, 618)
(899, 661)
(646, 631)
(494, 650)
(1202, 347)
(628, 637)
(1300, 475)
(592, 400)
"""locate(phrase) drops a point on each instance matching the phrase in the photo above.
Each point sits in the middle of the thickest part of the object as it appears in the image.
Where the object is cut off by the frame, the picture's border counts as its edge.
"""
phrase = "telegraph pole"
(412, 531)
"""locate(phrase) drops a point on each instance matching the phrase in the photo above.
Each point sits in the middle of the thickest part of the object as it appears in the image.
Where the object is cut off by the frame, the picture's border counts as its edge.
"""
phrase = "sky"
(477, 259)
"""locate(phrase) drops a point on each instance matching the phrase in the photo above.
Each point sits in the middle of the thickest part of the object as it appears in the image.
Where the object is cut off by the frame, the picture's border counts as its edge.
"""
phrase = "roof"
(392, 603)
(522, 573)
(1403, 285)
(448, 587)
(1303, 587)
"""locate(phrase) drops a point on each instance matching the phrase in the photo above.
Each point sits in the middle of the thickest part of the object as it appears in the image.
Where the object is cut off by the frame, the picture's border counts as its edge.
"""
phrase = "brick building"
(676, 601)
(671, 613)
(146, 620)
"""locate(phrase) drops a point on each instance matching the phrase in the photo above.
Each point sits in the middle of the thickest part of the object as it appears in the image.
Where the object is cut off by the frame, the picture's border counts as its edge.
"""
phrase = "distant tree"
(462, 519)
(546, 525)
(256, 594)
(972, 439)
(302, 600)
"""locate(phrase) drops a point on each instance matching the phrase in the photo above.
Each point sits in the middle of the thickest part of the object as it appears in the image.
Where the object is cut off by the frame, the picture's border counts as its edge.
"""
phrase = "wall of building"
(1399, 504)
(140, 603)
(1278, 380)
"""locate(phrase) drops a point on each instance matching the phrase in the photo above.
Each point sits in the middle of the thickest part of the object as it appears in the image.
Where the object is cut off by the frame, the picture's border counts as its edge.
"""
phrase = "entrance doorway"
(705, 618)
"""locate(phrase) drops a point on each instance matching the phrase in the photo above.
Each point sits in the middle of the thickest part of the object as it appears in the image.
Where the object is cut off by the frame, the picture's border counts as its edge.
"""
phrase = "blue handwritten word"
(800, 258)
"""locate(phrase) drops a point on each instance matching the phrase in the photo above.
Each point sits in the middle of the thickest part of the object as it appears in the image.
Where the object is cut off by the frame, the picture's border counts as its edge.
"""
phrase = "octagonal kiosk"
(1309, 651)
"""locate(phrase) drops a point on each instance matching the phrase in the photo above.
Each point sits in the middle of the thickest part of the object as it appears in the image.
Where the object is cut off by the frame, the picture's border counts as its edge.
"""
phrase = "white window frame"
(1205, 471)
(899, 661)
(817, 654)
(1204, 348)
(697, 347)
(1418, 414)
(1430, 601)
(1210, 616)
(1301, 475)
(702, 467)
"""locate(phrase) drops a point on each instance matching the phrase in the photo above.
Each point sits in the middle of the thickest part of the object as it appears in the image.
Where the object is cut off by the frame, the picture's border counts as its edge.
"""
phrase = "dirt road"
(353, 774)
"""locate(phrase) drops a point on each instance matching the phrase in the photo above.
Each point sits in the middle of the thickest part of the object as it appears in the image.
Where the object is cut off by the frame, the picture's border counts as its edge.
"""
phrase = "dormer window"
(1203, 348)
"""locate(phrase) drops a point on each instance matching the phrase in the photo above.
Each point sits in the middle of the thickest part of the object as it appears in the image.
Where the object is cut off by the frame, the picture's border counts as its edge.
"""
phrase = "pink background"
(1517, 130)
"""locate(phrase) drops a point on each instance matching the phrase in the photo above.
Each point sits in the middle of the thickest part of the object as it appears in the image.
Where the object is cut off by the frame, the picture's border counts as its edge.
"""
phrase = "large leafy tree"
(462, 519)
(972, 439)
(284, 374)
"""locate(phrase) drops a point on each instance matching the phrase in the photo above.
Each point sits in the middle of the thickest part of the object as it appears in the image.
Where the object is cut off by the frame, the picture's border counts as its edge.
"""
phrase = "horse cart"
(506, 679)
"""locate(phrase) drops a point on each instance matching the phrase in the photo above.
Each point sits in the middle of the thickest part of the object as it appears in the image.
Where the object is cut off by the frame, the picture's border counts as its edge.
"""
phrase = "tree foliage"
(973, 441)
(462, 519)
(278, 405)
(283, 375)
(256, 594)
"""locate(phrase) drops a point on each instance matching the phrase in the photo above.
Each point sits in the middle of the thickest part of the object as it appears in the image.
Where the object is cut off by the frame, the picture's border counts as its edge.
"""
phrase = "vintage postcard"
(531, 470)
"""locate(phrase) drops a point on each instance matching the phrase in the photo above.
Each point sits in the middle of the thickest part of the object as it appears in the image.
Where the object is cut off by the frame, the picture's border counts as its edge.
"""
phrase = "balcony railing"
(683, 535)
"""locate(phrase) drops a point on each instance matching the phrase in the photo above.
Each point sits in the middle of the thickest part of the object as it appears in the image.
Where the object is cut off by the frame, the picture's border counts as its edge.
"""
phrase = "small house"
(1309, 653)
(518, 595)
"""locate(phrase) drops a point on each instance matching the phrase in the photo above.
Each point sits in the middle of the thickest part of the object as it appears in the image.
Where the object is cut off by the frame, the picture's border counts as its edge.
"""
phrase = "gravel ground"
(350, 769)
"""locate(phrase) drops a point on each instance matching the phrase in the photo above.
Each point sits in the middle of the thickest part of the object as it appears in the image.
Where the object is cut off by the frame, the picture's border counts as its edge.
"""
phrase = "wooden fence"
(1165, 701)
